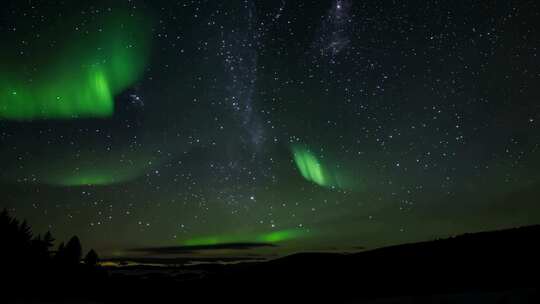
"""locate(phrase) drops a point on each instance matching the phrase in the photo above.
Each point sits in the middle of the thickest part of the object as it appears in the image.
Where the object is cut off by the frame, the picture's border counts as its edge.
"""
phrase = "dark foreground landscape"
(488, 267)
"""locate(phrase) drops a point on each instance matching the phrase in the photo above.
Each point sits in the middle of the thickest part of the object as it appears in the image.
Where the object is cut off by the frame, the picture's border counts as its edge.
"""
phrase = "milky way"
(240, 44)
(336, 29)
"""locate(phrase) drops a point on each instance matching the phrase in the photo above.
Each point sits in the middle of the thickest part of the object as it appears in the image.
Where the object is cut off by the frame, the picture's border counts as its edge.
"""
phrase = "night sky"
(273, 126)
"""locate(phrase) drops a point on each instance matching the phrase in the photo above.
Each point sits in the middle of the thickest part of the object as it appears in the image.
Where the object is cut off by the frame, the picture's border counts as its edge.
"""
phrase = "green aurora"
(270, 237)
(314, 170)
(81, 79)
(120, 166)
(108, 172)
(94, 177)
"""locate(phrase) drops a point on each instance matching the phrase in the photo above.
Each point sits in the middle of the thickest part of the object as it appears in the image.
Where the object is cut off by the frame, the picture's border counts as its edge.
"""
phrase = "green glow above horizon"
(81, 78)
(97, 168)
(270, 237)
(97, 178)
(280, 236)
(104, 173)
(213, 240)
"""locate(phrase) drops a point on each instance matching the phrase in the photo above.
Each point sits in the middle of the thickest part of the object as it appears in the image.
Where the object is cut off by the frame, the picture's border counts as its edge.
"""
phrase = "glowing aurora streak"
(99, 177)
(313, 170)
(81, 78)
(88, 169)
(271, 237)
(105, 172)
(309, 166)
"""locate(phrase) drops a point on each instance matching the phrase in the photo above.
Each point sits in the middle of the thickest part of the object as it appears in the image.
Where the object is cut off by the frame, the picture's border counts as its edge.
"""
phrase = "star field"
(314, 125)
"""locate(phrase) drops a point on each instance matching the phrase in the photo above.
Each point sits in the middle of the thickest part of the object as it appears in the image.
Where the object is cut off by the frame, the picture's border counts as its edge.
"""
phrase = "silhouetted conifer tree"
(91, 258)
(60, 253)
(48, 239)
(73, 251)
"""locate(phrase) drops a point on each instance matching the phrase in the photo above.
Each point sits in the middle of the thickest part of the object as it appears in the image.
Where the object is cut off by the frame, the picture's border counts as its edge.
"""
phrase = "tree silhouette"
(27, 260)
(73, 251)
(40, 249)
(47, 243)
(91, 258)
(48, 240)
(22, 255)
(25, 232)
(20, 248)
(60, 253)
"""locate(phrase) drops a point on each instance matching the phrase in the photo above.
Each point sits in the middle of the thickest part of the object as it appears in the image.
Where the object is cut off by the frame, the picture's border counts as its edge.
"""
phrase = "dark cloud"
(195, 249)
(127, 260)
(359, 248)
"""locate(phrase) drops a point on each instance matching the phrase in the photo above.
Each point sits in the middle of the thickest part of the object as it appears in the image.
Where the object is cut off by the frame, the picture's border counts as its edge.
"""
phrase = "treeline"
(29, 261)
(21, 247)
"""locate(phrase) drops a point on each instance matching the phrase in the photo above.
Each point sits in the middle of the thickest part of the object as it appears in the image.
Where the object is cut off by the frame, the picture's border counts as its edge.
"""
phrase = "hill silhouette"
(485, 262)
(502, 263)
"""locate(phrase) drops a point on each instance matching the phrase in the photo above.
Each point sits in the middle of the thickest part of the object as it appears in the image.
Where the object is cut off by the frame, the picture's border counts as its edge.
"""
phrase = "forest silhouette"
(30, 263)
(473, 264)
